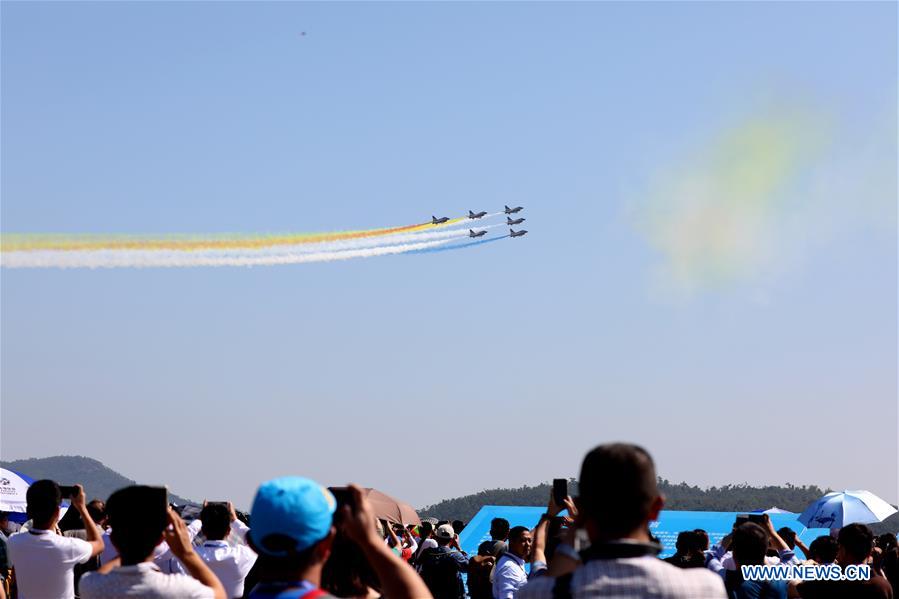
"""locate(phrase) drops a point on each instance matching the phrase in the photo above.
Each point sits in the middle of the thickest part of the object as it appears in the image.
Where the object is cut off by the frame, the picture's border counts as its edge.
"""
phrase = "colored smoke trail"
(449, 234)
(16, 242)
(457, 246)
(172, 259)
(135, 251)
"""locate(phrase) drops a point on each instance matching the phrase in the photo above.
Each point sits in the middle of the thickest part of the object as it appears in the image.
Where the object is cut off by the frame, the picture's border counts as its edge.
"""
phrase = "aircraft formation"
(477, 215)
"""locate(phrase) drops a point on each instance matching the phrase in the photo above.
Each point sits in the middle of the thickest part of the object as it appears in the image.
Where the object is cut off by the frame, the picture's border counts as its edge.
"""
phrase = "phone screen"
(757, 518)
(154, 502)
(560, 490)
(343, 496)
(67, 491)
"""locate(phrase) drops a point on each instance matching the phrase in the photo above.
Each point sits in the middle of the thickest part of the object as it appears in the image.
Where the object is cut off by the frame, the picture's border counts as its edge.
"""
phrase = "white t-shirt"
(142, 580)
(231, 564)
(44, 563)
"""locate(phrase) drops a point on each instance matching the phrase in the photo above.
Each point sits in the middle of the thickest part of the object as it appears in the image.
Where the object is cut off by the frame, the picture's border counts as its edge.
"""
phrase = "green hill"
(98, 480)
(729, 498)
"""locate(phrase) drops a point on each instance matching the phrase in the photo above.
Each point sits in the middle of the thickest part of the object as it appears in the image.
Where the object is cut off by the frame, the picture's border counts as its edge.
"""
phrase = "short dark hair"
(97, 510)
(499, 529)
(702, 538)
(216, 519)
(458, 525)
(788, 535)
(687, 541)
(516, 532)
(823, 549)
(43, 498)
(617, 487)
(136, 525)
(885, 541)
(425, 530)
(750, 544)
(857, 540)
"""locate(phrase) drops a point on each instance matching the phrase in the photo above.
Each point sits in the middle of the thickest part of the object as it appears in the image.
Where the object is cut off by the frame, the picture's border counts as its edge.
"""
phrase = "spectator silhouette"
(618, 499)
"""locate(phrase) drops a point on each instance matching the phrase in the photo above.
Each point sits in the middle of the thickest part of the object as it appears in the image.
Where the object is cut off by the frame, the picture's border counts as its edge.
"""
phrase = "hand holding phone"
(560, 491)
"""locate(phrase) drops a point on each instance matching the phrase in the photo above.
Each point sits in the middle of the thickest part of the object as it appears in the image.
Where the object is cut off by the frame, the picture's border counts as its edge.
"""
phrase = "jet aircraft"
(439, 221)
(513, 233)
(476, 214)
(514, 210)
(517, 221)
(473, 233)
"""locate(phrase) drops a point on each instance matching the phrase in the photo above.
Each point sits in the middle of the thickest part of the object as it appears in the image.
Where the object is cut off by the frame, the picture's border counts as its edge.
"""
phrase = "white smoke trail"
(394, 239)
(173, 258)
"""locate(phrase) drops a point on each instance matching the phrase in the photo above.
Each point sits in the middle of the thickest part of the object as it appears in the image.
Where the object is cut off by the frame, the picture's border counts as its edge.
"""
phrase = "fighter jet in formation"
(516, 221)
(473, 233)
(438, 221)
(476, 214)
(514, 210)
(513, 233)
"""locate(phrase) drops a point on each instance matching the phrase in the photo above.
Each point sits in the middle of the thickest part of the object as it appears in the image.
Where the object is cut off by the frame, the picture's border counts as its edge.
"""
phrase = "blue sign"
(666, 528)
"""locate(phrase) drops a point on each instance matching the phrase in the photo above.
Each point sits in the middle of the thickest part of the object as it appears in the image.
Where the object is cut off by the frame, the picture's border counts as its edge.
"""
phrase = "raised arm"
(398, 578)
(181, 547)
(93, 534)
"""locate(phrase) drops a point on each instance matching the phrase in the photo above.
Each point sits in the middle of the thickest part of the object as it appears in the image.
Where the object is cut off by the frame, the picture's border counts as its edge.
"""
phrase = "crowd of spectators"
(302, 540)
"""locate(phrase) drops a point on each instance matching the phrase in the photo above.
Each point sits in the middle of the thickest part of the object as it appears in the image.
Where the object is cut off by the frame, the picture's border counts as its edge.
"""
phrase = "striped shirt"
(645, 577)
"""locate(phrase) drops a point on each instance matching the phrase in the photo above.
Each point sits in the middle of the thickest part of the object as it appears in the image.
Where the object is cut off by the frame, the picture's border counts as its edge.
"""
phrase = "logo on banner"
(6, 489)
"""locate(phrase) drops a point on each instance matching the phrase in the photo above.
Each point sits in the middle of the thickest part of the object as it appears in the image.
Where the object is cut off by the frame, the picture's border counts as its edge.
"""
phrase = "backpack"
(479, 584)
(440, 572)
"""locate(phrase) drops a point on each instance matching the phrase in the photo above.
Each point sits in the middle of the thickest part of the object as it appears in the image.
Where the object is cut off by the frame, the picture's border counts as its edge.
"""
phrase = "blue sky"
(740, 335)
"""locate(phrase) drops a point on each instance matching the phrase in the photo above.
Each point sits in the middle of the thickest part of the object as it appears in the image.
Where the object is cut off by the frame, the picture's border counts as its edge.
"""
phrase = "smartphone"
(757, 518)
(560, 490)
(152, 502)
(67, 492)
(742, 519)
(343, 496)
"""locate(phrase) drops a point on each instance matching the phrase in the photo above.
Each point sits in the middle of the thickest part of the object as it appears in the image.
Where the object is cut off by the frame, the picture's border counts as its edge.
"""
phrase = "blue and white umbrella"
(836, 510)
(13, 487)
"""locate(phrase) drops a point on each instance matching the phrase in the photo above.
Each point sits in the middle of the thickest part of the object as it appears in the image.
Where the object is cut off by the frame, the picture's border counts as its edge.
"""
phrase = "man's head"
(43, 498)
(425, 530)
(216, 519)
(292, 526)
(618, 492)
(686, 542)
(886, 541)
(499, 529)
(855, 544)
(702, 539)
(824, 549)
(520, 542)
(458, 525)
(96, 508)
(444, 535)
(750, 544)
(137, 520)
(788, 535)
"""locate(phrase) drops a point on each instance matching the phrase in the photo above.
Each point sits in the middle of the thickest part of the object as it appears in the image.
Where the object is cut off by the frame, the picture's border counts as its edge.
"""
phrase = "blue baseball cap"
(293, 506)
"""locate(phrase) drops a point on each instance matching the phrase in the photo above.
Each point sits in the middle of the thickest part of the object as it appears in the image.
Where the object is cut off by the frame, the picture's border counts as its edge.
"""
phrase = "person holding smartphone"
(44, 561)
(141, 519)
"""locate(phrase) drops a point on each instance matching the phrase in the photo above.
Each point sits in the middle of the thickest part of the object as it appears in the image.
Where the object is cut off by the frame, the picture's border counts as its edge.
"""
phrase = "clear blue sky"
(711, 270)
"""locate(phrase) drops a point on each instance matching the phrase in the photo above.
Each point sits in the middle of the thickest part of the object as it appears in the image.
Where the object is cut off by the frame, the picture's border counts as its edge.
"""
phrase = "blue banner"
(666, 528)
